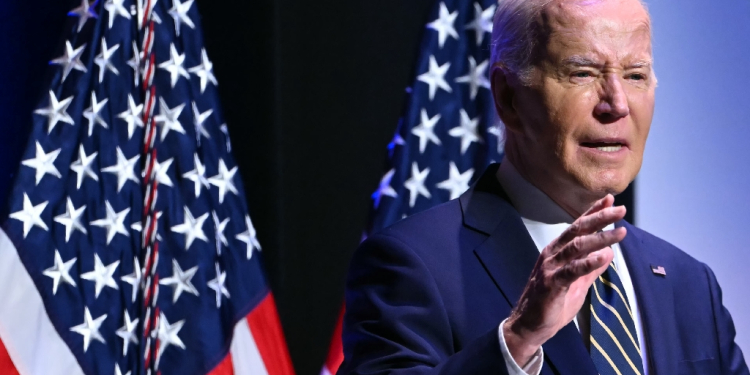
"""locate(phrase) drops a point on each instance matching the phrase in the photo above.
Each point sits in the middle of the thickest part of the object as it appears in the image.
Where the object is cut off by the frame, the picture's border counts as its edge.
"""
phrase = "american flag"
(449, 131)
(129, 248)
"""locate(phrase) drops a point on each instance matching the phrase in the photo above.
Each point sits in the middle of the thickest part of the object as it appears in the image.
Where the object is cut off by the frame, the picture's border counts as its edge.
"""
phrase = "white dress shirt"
(545, 220)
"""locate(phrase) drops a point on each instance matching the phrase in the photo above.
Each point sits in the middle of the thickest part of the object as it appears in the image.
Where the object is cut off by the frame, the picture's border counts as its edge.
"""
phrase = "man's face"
(585, 115)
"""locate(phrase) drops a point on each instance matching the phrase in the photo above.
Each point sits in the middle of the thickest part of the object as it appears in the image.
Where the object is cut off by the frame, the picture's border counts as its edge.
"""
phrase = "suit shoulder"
(670, 251)
(442, 219)
(437, 236)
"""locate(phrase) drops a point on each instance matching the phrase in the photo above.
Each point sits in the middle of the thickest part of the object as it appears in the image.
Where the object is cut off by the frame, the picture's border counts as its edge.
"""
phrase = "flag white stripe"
(27, 332)
(246, 358)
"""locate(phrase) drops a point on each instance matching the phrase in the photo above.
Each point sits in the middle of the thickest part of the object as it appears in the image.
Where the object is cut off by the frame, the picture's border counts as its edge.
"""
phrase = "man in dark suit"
(533, 269)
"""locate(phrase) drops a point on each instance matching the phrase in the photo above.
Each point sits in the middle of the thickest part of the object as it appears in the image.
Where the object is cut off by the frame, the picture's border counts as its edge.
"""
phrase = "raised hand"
(561, 278)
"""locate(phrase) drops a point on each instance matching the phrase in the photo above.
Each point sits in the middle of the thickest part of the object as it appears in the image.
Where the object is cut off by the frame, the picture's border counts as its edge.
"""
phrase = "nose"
(613, 104)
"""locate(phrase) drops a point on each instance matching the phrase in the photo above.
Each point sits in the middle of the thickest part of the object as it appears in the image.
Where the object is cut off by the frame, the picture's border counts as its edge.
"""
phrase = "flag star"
(30, 215)
(43, 163)
(168, 336)
(83, 12)
(426, 130)
(124, 169)
(204, 71)
(384, 188)
(198, 120)
(396, 141)
(92, 113)
(132, 116)
(71, 219)
(498, 132)
(225, 131)
(160, 170)
(82, 166)
(118, 371)
(249, 237)
(169, 119)
(179, 13)
(482, 22)
(134, 279)
(128, 333)
(415, 184)
(192, 228)
(457, 182)
(180, 281)
(467, 131)
(103, 60)
(444, 25)
(135, 63)
(89, 329)
(60, 272)
(116, 8)
(476, 78)
(56, 112)
(220, 226)
(114, 222)
(223, 180)
(435, 77)
(217, 284)
(102, 275)
(70, 60)
(197, 175)
(174, 65)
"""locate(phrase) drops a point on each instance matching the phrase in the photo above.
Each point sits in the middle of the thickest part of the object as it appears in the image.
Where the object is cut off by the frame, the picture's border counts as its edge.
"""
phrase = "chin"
(609, 181)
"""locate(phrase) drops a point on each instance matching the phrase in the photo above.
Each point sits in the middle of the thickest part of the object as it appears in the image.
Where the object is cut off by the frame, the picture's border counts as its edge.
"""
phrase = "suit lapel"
(509, 255)
(655, 301)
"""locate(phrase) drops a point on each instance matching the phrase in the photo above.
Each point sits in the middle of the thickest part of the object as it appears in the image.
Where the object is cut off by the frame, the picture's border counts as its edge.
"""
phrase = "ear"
(504, 95)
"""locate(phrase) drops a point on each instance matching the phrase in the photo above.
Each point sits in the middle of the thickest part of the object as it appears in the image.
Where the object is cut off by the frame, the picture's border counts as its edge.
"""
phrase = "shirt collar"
(544, 219)
(531, 203)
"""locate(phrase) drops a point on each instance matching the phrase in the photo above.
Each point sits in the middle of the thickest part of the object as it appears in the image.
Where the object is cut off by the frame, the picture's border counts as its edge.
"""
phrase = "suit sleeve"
(732, 360)
(396, 321)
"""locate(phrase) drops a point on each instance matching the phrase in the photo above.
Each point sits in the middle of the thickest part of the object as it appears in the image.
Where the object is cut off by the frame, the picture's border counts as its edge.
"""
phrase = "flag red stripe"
(336, 350)
(265, 327)
(224, 368)
(6, 364)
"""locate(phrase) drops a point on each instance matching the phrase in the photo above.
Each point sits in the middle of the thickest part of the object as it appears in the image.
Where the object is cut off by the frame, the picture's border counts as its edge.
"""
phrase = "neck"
(572, 199)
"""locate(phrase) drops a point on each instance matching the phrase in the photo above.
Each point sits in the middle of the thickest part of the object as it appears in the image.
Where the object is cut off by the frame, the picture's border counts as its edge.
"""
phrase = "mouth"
(606, 145)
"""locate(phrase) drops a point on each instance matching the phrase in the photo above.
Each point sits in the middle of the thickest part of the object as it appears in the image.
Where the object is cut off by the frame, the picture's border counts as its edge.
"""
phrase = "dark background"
(312, 92)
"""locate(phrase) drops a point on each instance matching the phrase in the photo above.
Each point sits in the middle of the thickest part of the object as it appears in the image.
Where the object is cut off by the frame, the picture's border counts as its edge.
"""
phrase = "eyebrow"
(578, 60)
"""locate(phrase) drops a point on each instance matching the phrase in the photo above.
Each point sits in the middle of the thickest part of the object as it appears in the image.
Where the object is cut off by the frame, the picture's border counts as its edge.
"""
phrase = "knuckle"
(575, 228)
(577, 244)
(600, 215)
(567, 273)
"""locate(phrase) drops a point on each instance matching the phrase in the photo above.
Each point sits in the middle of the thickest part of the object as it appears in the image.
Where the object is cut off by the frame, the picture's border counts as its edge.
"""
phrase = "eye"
(637, 76)
(583, 74)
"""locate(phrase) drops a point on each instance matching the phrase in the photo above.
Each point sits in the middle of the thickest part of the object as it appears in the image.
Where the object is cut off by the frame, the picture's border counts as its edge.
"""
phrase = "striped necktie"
(615, 348)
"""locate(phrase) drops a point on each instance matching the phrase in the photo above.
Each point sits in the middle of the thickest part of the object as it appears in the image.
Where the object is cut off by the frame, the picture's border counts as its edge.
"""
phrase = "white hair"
(515, 35)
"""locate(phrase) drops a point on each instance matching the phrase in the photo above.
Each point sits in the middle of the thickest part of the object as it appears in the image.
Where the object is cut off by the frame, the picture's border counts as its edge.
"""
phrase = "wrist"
(522, 343)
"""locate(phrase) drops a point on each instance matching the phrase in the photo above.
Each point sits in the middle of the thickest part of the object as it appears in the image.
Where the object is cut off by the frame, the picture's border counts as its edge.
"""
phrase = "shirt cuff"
(533, 367)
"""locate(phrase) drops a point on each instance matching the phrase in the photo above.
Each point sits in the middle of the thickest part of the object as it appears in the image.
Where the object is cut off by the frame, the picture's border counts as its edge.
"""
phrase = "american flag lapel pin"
(659, 270)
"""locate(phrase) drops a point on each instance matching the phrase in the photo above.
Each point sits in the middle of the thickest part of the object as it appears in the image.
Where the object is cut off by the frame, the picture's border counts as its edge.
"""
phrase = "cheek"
(642, 112)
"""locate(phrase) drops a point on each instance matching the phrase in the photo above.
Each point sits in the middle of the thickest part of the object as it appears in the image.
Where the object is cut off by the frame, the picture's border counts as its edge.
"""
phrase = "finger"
(605, 202)
(582, 246)
(592, 223)
(578, 268)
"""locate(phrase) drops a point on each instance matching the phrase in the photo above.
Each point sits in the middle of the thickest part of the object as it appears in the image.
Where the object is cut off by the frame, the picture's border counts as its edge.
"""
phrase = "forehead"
(604, 28)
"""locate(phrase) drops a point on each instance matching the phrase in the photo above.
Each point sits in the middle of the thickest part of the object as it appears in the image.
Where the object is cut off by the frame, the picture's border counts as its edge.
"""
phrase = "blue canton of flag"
(449, 130)
(128, 217)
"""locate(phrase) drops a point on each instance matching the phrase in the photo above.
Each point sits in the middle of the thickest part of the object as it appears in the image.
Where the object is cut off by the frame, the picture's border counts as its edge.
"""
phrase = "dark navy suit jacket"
(426, 296)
